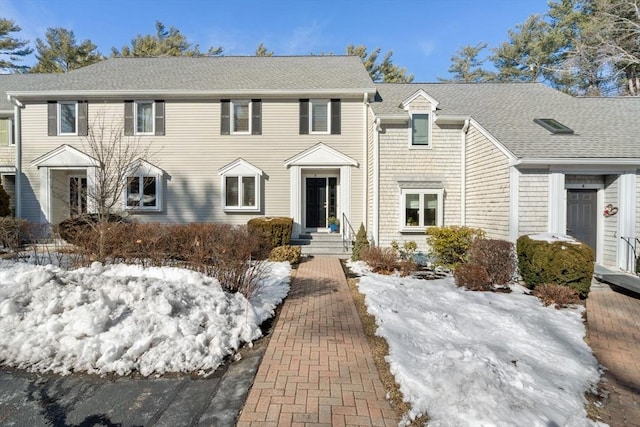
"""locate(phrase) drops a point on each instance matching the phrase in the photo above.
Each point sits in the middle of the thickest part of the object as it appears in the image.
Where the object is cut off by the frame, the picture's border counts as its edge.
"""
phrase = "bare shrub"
(407, 267)
(560, 295)
(288, 253)
(13, 233)
(473, 277)
(498, 257)
(380, 260)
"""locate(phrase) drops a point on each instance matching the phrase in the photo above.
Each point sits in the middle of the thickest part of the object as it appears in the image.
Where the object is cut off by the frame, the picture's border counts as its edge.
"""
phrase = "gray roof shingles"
(604, 127)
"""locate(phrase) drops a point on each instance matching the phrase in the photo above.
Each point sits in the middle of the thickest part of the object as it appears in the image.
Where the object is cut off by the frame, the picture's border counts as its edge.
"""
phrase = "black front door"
(316, 202)
(582, 215)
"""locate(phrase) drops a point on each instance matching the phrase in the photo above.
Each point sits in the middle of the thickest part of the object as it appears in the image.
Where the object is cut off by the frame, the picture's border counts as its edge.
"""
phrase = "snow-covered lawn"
(121, 318)
(482, 359)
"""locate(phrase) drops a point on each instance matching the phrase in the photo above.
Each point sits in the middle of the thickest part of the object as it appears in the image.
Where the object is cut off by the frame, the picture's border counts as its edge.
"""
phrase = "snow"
(123, 318)
(481, 359)
(554, 237)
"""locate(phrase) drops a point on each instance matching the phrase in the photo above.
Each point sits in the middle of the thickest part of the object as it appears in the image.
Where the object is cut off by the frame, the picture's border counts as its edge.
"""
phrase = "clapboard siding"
(533, 199)
(487, 185)
(192, 151)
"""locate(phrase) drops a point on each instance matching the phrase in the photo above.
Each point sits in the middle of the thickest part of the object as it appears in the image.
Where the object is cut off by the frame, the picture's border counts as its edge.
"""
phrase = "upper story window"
(420, 208)
(144, 187)
(67, 118)
(320, 116)
(144, 117)
(6, 131)
(241, 117)
(420, 130)
(241, 186)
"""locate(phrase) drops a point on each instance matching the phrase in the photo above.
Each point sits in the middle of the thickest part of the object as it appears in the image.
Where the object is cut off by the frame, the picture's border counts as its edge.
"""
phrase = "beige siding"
(192, 151)
(371, 129)
(610, 237)
(442, 162)
(487, 185)
(533, 199)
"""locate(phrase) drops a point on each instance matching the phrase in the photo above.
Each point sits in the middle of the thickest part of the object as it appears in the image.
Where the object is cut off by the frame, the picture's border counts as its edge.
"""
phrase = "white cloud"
(427, 47)
(304, 40)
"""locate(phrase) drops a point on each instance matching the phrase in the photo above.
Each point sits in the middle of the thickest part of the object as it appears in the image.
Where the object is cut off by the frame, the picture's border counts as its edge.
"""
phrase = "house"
(231, 138)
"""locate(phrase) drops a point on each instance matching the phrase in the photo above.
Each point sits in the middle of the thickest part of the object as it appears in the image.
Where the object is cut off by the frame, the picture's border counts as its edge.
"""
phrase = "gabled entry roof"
(320, 155)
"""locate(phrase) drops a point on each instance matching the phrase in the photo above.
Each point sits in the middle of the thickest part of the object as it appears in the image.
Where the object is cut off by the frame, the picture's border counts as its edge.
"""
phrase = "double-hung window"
(144, 187)
(420, 130)
(241, 117)
(67, 117)
(420, 209)
(241, 112)
(241, 186)
(320, 116)
(144, 117)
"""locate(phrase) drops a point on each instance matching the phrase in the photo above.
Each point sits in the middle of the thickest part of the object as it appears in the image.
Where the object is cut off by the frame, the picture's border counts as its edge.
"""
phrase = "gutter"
(376, 182)
(365, 138)
(17, 137)
(593, 161)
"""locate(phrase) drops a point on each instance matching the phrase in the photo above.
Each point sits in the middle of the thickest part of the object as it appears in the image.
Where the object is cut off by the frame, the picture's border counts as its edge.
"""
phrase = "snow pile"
(476, 358)
(121, 318)
(554, 237)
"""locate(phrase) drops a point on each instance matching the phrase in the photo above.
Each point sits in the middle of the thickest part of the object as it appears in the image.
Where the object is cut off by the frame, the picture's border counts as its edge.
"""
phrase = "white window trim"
(232, 117)
(239, 169)
(420, 227)
(311, 131)
(135, 116)
(75, 104)
(429, 132)
(142, 169)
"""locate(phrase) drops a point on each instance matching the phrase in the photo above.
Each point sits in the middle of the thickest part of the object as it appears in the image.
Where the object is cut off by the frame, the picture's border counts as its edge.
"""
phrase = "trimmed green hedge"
(277, 230)
(562, 263)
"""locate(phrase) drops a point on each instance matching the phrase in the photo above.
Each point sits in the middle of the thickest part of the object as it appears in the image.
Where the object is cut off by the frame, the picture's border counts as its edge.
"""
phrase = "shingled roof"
(211, 75)
(19, 82)
(603, 127)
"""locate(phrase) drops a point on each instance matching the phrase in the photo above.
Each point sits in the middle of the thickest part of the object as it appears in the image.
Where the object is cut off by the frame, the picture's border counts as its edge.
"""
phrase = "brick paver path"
(613, 320)
(318, 368)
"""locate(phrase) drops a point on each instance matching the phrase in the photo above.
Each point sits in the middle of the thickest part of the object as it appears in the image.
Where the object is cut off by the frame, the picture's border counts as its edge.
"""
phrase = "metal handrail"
(348, 235)
(633, 246)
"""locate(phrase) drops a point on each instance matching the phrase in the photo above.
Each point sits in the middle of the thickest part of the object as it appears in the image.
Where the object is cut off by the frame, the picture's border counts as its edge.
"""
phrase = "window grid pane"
(149, 191)
(430, 214)
(133, 191)
(231, 196)
(248, 191)
(67, 118)
(319, 116)
(144, 117)
(241, 116)
(412, 210)
(420, 129)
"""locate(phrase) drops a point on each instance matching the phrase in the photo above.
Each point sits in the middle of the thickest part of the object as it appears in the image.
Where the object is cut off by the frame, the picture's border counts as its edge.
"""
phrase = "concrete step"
(321, 244)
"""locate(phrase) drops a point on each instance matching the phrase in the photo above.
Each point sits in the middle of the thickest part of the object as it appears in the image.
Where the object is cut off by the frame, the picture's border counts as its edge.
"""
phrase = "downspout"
(365, 182)
(463, 172)
(376, 183)
(18, 148)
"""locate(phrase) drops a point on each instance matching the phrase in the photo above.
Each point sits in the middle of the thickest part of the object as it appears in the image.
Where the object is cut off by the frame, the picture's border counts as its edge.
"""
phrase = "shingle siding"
(533, 200)
(487, 185)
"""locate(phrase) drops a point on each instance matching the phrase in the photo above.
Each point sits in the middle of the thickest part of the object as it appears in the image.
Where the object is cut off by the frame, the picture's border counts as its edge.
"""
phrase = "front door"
(321, 201)
(77, 195)
(582, 212)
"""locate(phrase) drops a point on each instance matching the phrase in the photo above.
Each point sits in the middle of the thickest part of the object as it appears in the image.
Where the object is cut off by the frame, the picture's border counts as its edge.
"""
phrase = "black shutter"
(83, 118)
(225, 117)
(128, 118)
(304, 117)
(159, 119)
(52, 118)
(256, 117)
(335, 117)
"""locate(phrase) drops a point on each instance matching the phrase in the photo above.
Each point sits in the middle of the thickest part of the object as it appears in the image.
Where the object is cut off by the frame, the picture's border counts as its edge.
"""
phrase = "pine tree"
(384, 71)
(12, 49)
(60, 53)
(262, 50)
(467, 67)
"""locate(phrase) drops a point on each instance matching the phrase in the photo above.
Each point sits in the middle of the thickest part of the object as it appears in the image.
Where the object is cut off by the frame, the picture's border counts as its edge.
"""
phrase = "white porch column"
(296, 204)
(45, 195)
(345, 192)
(514, 203)
(557, 204)
(626, 221)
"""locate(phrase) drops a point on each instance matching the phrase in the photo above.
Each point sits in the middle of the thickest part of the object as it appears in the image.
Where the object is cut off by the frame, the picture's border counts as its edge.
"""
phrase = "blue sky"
(422, 34)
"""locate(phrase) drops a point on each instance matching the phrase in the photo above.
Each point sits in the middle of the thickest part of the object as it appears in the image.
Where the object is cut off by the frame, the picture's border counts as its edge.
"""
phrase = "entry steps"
(322, 244)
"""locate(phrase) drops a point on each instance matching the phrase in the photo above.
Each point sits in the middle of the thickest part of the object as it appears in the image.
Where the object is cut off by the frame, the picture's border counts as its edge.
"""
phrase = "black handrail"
(348, 235)
(634, 247)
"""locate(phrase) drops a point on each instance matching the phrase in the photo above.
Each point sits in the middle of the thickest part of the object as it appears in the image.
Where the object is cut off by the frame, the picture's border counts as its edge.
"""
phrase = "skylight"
(553, 126)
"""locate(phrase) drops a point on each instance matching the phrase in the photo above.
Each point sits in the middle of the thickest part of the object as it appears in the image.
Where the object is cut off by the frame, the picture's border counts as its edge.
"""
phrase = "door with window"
(582, 215)
(321, 201)
(77, 195)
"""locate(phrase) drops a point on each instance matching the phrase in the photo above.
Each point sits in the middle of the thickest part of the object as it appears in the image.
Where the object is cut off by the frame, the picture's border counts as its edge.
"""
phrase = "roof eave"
(119, 94)
(577, 161)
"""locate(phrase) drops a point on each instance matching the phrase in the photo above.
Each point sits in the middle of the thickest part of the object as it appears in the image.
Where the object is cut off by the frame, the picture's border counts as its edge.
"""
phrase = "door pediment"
(64, 156)
(320, 155)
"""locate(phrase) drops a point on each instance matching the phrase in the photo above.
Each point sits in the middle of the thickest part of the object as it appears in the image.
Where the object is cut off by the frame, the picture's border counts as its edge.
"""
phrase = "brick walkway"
(318, 368)
(613, 320)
